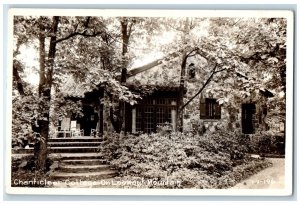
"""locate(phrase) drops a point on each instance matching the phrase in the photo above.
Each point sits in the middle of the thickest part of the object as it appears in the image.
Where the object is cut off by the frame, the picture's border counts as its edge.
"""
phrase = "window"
(153, 112)
(149, 119)
(192, 71)
(210, 109)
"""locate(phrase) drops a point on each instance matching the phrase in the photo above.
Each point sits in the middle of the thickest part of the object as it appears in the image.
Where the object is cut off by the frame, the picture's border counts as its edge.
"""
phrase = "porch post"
(133, 126)
(173, 115)
(100, 115)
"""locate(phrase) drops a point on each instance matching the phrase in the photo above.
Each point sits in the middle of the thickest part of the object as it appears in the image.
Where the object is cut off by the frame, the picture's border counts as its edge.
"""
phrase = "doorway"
(89, 120)
(248, 111)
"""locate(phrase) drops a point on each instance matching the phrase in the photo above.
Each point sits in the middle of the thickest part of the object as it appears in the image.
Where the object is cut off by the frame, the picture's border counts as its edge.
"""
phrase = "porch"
(87, 125)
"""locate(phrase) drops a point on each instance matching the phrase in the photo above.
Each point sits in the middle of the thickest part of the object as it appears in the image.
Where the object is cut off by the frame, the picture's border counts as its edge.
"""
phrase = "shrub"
(268, 143)
(24, 170)
(197, 161)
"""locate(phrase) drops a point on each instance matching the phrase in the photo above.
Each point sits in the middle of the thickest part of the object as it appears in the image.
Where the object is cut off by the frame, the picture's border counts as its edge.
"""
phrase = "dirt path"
(269, 178)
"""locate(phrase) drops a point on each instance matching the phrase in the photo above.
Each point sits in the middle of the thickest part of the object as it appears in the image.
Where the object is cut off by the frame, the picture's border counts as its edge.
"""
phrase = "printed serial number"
(264, 181)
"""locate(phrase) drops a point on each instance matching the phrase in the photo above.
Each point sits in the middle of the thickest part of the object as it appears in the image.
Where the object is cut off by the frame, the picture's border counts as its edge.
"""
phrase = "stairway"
(74, 145)
(78, 160)
(66, 145)
(75, 160)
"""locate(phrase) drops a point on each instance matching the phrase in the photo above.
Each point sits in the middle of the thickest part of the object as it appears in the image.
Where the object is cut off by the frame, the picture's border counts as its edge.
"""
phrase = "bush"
(197, 161)
(268, 143)
(24, 170)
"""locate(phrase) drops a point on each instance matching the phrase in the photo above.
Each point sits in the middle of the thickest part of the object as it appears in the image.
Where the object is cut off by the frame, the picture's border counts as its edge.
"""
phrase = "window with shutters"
(210, 109)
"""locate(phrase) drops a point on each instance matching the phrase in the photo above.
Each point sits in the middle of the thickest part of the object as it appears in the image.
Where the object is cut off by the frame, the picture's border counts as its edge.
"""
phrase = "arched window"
(192, 71)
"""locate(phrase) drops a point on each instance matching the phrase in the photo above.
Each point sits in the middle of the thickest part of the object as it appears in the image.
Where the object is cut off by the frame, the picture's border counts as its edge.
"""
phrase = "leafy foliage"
(24, 117)
(25, 173)
(208, 161)
(95, 51)
(268, 143)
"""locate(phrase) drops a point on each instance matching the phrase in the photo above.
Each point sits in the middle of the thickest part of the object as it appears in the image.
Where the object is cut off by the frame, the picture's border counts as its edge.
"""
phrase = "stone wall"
(231, 117)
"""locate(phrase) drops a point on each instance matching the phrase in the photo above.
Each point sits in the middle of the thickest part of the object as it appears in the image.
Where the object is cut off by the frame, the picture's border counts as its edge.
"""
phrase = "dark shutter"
(202, 108)
(217, 111)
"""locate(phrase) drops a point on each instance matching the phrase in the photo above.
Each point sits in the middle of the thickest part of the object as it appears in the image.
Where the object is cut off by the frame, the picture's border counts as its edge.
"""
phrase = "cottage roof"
(162, 72)
(151, 88)
(71, 88)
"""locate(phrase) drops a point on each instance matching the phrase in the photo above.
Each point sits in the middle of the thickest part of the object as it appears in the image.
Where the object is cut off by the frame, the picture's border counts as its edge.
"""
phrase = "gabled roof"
(159, 75)
(162, 72)
(137, 70)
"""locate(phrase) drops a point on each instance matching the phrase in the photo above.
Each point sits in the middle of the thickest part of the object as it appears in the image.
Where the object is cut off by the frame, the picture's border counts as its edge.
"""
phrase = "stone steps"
(80, 156)
(75, 159)
(82, 168)
(59, 150)
(83, 162)
(67, 145)
(73, 144)
(74, 149)
(78, 159)
(81, 149)
(77, 139)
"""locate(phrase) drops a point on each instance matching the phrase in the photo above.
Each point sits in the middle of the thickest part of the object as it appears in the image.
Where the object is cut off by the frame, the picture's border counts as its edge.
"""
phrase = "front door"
(89, 120)
(248, 111)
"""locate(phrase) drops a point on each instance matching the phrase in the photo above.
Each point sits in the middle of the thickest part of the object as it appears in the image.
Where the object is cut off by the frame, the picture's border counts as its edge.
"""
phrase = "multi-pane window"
(149, 119)
(163, 115)
(139, 118)
(210, 109)
(153, 112)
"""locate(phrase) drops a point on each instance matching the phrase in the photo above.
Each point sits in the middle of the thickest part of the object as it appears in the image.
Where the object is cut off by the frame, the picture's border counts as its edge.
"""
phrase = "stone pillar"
(173, 116)
(133, 128)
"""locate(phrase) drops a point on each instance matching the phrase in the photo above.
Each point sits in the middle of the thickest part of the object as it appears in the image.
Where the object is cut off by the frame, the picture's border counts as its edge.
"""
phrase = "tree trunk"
(119, 122)
(16, 66)
(181, 92)
(18, 79)
(125, 40)
(42, 57)
(46, 73)
(182, 78)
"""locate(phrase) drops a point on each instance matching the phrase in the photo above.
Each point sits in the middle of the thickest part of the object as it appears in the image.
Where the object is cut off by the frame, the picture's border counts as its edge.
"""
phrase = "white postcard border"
(160, 13)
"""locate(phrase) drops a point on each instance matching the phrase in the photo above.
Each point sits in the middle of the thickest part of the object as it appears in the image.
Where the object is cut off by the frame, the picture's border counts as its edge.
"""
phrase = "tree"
(47, 29)
(129, 31)
(126, 25)
(238, 56)
(98, 51)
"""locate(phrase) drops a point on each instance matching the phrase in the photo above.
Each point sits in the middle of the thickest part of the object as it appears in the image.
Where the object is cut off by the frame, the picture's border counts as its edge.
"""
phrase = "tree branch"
(202, 88)
(130, 29)
(78, 34)
(194, 50)
(193, 54)
(219, 70)
(17, 78)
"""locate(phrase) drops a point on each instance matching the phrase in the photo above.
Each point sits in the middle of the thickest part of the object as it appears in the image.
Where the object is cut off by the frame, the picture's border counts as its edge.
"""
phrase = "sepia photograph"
(140, 101)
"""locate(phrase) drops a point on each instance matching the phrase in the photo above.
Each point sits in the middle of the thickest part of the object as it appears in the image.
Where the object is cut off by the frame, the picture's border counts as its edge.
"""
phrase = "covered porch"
(89, 123)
